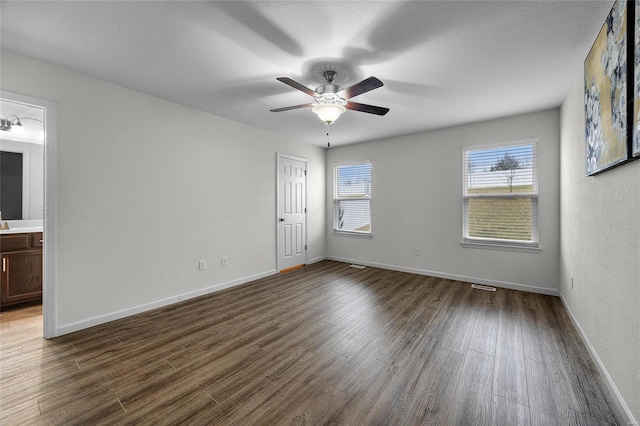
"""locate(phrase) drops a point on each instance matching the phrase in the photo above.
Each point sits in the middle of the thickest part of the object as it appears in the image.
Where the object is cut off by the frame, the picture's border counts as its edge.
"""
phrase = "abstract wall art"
(635, 146)
(605, 79)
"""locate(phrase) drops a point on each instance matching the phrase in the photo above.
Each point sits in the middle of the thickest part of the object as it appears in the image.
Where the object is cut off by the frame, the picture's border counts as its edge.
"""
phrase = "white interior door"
(292, 211)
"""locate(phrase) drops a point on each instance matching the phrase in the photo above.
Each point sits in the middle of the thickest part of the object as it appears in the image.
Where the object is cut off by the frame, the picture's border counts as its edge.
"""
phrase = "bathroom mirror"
(21, 161)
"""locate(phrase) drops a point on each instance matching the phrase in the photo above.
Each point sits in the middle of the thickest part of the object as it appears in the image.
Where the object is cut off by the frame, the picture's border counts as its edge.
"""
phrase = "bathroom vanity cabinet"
(21, 268)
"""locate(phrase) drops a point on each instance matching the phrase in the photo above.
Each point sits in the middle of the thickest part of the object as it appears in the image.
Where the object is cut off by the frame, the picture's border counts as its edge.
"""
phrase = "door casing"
(49, 260)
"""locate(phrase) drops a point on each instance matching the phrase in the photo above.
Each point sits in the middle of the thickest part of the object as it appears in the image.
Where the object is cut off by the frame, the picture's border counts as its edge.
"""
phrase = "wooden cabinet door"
(21, 277)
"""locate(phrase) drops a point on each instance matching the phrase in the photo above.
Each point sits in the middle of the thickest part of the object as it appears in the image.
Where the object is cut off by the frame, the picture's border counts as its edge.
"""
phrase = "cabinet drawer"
(15, 242)
(36, 239)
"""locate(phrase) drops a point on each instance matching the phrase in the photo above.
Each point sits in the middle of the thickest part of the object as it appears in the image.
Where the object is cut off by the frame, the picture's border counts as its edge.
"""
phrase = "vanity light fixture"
(12, 125)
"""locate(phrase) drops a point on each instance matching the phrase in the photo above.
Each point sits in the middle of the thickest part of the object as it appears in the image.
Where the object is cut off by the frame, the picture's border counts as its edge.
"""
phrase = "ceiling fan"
(331, 99)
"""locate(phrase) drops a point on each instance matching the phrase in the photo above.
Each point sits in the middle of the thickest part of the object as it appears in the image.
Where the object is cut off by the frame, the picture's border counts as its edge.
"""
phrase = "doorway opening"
(28, 136)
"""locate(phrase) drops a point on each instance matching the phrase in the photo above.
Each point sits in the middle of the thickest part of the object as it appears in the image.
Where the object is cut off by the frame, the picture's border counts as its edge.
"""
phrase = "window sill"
(502, 247)
(352, 234)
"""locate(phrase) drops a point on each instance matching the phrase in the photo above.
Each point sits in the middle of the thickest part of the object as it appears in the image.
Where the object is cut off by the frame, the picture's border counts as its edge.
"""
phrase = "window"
(352, 198)
(500, 192)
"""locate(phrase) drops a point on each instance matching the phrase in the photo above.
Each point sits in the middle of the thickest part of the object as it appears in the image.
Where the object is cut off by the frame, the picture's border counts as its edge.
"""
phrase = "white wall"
(33, 183)
(147, 188)
(417, 202)
(600, 247)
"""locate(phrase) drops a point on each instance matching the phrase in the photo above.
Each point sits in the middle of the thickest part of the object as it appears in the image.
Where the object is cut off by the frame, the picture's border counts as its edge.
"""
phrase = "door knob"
(281, 219)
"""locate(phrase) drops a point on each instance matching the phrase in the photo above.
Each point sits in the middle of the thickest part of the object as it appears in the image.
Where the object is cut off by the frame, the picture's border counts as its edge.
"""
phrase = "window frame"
(499, 243)
(337, 199)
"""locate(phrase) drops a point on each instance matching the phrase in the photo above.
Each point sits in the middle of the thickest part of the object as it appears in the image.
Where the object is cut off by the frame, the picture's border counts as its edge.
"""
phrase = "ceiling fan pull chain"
(328, 140)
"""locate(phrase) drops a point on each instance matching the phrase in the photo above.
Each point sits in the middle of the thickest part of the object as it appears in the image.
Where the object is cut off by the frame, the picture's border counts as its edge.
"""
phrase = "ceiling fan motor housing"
(329, 87)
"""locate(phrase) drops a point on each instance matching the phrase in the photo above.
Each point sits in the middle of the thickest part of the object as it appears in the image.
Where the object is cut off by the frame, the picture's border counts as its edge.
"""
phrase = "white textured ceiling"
(443, 63)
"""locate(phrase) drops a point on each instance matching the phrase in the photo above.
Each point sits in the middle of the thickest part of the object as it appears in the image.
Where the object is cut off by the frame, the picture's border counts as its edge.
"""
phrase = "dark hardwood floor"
(326, 344)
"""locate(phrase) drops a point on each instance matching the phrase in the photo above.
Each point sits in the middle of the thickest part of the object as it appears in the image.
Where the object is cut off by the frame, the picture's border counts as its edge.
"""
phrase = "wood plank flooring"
(327, 344)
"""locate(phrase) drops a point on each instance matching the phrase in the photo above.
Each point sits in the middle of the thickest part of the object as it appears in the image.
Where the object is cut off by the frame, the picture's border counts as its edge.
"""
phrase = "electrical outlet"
(417, 251)
(223, 261)
(571, 282)
(202, 265)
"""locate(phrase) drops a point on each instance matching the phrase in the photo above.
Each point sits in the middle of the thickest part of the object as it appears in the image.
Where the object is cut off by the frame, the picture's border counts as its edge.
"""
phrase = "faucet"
(5, 225)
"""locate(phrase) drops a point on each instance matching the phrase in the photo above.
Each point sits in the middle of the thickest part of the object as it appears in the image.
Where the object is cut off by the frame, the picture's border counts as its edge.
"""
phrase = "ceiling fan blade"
(296, 85)
(291, 107)
(371, 109)
(362, 87)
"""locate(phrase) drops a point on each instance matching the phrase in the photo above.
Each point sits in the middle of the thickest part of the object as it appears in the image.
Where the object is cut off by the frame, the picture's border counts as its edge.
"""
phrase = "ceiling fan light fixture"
(328, 112)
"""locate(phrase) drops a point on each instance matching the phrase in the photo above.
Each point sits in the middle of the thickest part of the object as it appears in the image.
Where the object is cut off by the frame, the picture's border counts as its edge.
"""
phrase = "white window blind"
(500, 192)
(352, 198)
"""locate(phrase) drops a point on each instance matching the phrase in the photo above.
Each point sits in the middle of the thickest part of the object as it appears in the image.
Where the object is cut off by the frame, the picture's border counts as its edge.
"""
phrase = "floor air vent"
(483, 287)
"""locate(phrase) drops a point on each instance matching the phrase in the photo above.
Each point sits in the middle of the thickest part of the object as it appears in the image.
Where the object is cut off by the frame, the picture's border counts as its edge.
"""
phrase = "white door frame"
(49, 306)
(306, 196)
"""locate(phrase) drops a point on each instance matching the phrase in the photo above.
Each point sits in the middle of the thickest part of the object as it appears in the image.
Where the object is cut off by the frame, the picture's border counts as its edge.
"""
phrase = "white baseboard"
(102, 319)
(621, 405)
(501, 284)
(316, 260)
